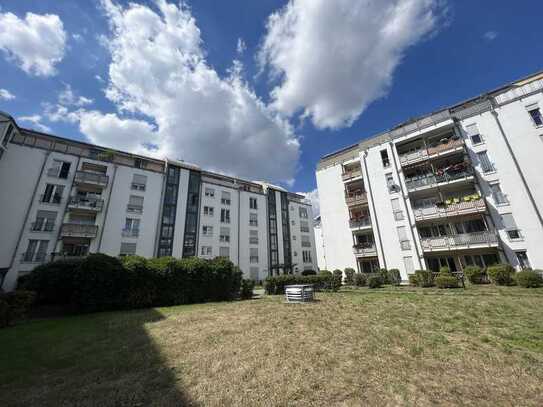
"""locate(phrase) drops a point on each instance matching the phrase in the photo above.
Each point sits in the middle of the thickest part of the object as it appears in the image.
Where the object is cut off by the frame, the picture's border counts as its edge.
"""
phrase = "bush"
(309, 273)
(501, 274)
(349, 276)
(446, 280)
(359, 280)
(412, 280)
(444, 270)
(475, 275)
(375, 281)
(529, 278)
(425, 278)
(394, 277)
(384, 276)
(276, 284)
(143, 284)
(337, 280)
(247, 286)
(14, 306)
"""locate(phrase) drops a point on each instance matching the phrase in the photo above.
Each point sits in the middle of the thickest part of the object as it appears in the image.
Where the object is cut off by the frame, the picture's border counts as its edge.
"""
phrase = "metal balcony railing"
(426, 153)
(435, 179)
(51, 199)
(455, 209)
(42, 226)
(440, 148)
(79, 230)
(360, 222)
(134, 208)
(93, 204)
(87, 177)
(351, 174)
(366, 249)
(356, 198)
(460, 241)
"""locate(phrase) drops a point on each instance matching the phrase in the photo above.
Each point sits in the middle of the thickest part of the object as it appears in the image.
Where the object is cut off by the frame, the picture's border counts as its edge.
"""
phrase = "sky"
(256, 89)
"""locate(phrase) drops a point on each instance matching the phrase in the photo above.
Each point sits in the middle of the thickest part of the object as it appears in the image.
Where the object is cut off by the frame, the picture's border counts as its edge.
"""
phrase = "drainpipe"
(372, 206)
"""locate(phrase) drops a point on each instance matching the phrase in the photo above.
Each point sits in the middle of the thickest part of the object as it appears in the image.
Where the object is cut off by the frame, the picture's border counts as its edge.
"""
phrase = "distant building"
(461, 186)
(62, 198)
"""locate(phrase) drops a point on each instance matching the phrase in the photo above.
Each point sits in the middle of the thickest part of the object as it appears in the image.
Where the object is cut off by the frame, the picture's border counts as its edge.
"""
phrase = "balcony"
(459, 242)
(349, 175)
(79, 230)
(356, 198)
(441, 178)
(437, 150)
(454, 209)
(365, 250)
(360, 222)
(91, 178)
(86, 203)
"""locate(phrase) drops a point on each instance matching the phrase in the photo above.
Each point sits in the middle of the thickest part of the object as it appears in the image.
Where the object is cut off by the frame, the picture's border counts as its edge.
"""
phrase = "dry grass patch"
(396, 346)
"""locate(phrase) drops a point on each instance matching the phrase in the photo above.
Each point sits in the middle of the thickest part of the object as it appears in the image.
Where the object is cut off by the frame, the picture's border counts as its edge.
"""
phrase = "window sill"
(502, 204)
(489, 172)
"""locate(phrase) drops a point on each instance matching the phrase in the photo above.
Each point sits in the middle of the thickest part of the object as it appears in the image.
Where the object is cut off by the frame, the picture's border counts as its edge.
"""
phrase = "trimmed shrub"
(501, 274)
(475, 275)
(425, 278)
(337, 280)
(349, 276)
(444, 270)
(15, 305)
(413, 280)
(446, 280)
(309, 273)
(246, 291)
(375, 281)
(143, 282)
(529, 278)
(394, 277)
(360, 280)
(384, 276)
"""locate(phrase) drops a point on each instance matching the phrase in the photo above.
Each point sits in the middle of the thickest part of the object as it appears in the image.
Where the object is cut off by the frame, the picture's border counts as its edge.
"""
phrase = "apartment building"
(63, 198)
(457, 187)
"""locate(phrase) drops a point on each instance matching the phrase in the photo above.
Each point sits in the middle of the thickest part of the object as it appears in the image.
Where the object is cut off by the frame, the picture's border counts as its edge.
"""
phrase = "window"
(253, 273)
(45, 221)
(499, 197)
(402, 236)
(522, 258)
(385, 159)
(408, 264)
(225, 198)
(7, 137)
(305, 241)
(224, 251)
(210, 192)
(398, 213)
(135, 204)
(225, 215)
(304, 226)
(510, 226)
(253, 219)
(253, 236)
(131, 227)
(36, 251)
(486, 165)
(224, 235)
(392, 186)
(253, 255)
(52, 194)
(208, 210)
(206, 251)
(293, 237)
(253, 203)
(293, 222)
(207, 230)
(139, 163)
(127, 249)
(60, 169)
(474, 135)
(306, 256)
(303, 212)
(535, 114)
(139, 182)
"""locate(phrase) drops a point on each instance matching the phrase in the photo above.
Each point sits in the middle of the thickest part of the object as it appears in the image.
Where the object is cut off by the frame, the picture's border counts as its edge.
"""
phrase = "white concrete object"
(299, 293)
(63, 198)
(457, 187)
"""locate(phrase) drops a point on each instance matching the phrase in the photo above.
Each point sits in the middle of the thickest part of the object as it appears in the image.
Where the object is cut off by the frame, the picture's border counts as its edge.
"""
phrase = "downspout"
(107, 209)
(374, 216)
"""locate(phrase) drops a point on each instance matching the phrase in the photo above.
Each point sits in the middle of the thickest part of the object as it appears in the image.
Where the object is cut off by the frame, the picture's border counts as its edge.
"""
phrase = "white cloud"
(67, 97)
(241, 47)
(333, 58)
(313, 196)
(35, 43)
(35, 121)
(6, 95)
(490, 35)
(159, 71)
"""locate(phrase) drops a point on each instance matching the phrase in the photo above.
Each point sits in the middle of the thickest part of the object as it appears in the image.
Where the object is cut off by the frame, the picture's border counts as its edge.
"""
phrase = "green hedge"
(446, 280)
(394, 277)
(360, 280)
(276, 284)
(501, 274)
(349, 276)
(101, 282)
(475, 275)
(529, 278)
(413, 280)
(375, 281)
(247, 286)
(424, 278)
(14, 306)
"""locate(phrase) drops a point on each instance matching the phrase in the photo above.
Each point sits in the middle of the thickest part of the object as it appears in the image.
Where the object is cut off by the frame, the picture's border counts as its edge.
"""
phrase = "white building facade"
(62, 198)
(462, 186)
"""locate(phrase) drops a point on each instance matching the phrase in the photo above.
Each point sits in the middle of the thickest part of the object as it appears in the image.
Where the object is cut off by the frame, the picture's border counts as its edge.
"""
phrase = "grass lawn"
(392, 346)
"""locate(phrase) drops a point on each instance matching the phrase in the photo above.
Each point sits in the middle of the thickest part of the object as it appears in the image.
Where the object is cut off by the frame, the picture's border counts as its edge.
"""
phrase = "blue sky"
(435, 53)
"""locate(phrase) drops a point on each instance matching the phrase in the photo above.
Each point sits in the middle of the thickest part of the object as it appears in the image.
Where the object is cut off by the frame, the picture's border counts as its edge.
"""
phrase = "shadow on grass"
(104, 359)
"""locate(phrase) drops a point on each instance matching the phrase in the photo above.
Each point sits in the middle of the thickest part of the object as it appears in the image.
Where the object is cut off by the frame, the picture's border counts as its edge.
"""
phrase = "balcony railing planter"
(351, 174)
(356, 198)
(93, 204)
(365, 250)
(360, 222)
(453, 209)
(87, 177)
(78, 230)
(460, 241)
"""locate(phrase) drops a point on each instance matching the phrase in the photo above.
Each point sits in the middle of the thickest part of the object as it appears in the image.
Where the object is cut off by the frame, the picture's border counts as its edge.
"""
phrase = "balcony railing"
(87, 177)
(51, 199)
(79, 202)
(351, 174)
(424, 154)
(444, 147)
(356, 198)
(360, 222)
(413, 156)
(79, 230)
(365, 250)
(455, 209)
(435, 179)
(460, 241)
(33, 257)
(134, 208)
(42, 226)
